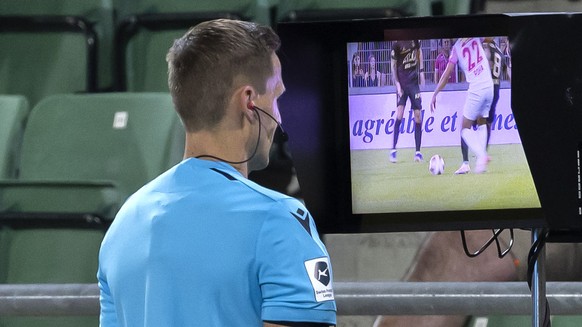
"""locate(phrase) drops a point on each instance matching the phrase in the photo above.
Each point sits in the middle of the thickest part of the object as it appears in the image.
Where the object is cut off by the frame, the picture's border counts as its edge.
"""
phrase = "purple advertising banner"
(372, 119)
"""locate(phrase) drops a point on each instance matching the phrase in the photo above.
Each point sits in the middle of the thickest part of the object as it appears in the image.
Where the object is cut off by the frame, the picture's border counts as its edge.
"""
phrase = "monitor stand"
(538, 284)
(536, 269)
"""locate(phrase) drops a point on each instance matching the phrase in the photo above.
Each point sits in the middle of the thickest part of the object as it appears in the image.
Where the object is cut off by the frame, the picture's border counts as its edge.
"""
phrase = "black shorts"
(412, 92)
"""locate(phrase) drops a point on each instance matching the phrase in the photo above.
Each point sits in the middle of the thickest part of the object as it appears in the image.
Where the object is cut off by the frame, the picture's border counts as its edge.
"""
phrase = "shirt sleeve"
(108, 315)
(294, 269)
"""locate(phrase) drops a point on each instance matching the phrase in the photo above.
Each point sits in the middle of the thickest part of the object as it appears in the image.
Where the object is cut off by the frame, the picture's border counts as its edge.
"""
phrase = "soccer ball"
(436, 165)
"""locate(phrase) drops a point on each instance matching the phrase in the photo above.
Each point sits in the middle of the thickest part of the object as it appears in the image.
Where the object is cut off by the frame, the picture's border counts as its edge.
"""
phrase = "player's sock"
(396, 133)
(473, 142)
(417, 135)
(482, 135)
(464, 150)
(488, 135)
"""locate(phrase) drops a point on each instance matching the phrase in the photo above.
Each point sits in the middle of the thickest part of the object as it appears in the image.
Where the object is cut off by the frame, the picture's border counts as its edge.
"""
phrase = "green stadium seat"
(44, 55)
(87, 153)
(38, 255)
(460, 7)
(147, 30)
(247, 9)
(307, 10)
(13, 113)
(82, 156)
(567, 321)
(500, 321)
(86, 8)
(62, 57)
(521, 321)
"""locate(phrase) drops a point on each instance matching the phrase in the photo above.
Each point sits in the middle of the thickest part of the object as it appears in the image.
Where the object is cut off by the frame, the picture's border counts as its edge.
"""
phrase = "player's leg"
(417, 135)
(476, 141)
(476, 108)
(471, 137)
(397, 123)
(483, 131)
(416, 105)
(465, 168)
(492, 111)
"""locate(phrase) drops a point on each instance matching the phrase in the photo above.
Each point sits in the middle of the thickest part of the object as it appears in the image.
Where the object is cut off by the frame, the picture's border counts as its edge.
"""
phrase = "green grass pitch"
(381, 186)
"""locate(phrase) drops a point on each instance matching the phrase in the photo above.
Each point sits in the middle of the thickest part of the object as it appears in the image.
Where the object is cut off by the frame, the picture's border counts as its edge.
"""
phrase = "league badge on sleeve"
(320, 277)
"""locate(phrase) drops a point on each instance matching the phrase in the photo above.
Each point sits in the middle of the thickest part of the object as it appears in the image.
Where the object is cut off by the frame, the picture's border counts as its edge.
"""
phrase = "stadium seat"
(459, 7)
(87, 8)
(13, 113)
(522, 321)
(305, 10)
(43, 55)
(147, 30)
(248, 9)
(567, 321)
(87, 153)
(65, 54)
(48, 254)
(81, 156)
(500, 321)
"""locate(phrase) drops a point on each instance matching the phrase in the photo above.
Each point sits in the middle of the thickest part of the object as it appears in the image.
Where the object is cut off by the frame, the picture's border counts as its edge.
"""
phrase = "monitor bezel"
(315, 115)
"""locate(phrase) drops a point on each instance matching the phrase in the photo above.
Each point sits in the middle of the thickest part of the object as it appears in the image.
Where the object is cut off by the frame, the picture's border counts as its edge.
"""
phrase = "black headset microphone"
(284, 136)
(251, 106)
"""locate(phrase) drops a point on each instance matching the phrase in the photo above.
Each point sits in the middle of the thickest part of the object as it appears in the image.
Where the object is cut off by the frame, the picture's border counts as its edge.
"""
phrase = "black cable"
(503, 253)
(243, 161)
(494, 238)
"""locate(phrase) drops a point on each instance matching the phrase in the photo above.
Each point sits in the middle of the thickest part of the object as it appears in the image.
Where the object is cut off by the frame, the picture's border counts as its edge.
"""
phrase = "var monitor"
(439, 123)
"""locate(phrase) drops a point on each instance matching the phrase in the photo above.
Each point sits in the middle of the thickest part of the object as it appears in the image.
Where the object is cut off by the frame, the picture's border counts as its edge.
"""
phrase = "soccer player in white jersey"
(497, 62)
(468, 53)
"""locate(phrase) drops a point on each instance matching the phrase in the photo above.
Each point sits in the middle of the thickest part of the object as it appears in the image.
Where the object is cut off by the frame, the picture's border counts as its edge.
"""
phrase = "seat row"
(84, 152)
(65, 46)
(66, 166)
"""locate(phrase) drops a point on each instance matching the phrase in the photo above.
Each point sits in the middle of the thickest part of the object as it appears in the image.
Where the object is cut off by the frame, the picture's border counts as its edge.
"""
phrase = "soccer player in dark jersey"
(496, 62)
(407, 71)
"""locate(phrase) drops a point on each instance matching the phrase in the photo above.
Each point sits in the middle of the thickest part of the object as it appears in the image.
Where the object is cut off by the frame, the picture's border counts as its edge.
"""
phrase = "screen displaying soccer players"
(450, 96)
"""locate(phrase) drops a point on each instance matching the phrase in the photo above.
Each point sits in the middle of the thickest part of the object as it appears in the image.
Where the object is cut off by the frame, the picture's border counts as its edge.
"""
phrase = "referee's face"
(269, 103)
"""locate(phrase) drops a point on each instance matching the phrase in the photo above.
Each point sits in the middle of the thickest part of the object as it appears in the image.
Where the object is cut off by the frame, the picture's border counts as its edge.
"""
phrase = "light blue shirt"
(203, 246)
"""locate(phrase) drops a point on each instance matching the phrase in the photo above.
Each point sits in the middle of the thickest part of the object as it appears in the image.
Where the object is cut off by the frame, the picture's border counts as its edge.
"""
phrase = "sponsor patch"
(320, 277)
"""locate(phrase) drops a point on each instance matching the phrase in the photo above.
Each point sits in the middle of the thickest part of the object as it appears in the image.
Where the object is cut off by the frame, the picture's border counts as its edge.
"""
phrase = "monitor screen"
(387, 174)
(345, 104)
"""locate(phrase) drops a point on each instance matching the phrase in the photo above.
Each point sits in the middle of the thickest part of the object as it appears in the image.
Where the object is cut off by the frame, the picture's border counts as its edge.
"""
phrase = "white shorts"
(478, 103)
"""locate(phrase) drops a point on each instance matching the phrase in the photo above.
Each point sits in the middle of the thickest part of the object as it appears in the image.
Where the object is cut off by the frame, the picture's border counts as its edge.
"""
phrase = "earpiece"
(251, 106)
(250, 103)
